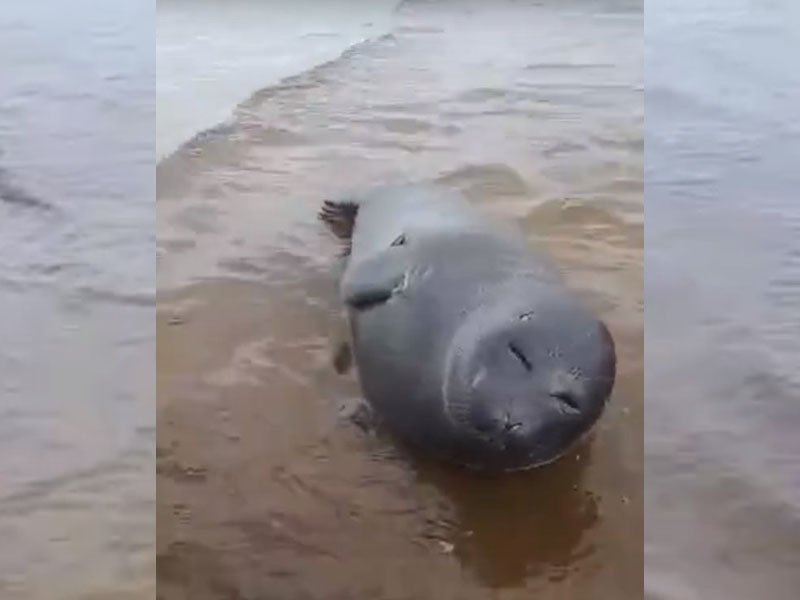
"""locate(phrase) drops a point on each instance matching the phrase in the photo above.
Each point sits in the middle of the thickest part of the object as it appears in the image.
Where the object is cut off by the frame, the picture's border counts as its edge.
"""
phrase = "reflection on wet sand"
(508, 530)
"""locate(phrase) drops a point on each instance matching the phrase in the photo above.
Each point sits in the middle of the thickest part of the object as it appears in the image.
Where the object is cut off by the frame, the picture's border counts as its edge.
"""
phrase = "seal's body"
(466, 342)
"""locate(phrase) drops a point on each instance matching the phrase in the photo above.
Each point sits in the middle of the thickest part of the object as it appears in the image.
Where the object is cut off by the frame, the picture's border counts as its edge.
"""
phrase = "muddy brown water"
(265, 488)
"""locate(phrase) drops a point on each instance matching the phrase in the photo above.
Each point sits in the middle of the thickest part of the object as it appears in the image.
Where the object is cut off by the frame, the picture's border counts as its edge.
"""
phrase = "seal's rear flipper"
(340, 217)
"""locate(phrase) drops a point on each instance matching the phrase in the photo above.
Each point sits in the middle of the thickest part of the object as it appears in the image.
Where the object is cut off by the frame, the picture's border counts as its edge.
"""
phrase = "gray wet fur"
(466, 341)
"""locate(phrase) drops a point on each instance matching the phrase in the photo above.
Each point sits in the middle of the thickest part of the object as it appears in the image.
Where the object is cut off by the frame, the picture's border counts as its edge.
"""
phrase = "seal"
(466, 342)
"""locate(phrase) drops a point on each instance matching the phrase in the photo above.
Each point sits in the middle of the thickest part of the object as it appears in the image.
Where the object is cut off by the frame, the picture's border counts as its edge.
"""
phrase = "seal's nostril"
(509, 425)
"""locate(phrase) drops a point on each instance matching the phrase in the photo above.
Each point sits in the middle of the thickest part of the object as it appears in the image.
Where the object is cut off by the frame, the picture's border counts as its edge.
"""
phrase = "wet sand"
(264, 484)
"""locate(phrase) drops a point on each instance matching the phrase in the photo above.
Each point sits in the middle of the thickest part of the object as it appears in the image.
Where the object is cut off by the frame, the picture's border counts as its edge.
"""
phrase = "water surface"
(535, 110)
(723, 292)
(77, 272)
(212, 55)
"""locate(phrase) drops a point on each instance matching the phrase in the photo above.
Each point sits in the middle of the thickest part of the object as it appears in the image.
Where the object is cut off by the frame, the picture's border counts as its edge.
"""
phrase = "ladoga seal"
(467, 344)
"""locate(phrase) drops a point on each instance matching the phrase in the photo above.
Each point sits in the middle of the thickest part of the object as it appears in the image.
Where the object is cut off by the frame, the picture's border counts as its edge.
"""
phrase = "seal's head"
(523, 384)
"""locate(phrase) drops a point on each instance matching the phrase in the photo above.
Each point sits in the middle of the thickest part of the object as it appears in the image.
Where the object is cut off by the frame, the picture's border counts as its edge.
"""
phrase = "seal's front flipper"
(373, 281)
(340, 217)
(365, 294)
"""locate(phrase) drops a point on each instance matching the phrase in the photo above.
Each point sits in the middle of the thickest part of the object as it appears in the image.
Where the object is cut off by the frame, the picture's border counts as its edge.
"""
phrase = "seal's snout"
(525, 395)
(527, 430)
(494, 422)
(499, 429)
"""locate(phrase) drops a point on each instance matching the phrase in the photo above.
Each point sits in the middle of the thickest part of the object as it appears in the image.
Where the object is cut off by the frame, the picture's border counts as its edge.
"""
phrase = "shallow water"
(723, 290)
(263, 483)
(213, 55)
(77, 421)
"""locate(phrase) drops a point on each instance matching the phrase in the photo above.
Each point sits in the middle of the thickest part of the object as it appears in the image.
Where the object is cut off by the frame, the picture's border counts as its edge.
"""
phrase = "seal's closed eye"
(520, 356)
(566, 398)
(400, 240)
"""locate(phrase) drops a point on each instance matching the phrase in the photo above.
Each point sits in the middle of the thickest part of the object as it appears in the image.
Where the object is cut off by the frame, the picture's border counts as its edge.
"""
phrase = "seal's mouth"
(497, 435)
(533, 460)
